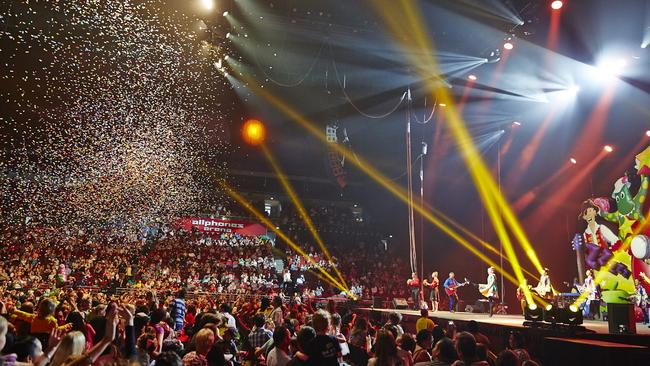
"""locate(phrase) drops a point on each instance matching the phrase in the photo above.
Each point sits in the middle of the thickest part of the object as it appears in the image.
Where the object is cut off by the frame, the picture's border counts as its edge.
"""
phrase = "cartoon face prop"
(624, 201)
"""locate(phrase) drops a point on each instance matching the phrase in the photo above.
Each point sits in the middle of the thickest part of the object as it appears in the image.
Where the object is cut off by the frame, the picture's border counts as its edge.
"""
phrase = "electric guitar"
(451, 291)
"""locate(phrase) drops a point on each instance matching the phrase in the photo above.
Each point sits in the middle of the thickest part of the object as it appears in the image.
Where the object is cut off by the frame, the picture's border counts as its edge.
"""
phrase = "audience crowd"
(167, 297)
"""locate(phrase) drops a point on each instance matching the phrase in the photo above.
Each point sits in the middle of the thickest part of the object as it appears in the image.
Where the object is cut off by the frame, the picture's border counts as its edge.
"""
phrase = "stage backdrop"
(220, 226)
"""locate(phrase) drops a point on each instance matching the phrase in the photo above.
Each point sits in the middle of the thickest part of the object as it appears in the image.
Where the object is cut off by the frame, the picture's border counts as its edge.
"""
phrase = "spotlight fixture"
(207, 4)
(608, 148)
(647, 133)
(533, 313)
(573, 161)
(225, 13)
(472, 77)
(508, 45)
(556, 5)
(253, 132)
(571, 315)
(550, 314)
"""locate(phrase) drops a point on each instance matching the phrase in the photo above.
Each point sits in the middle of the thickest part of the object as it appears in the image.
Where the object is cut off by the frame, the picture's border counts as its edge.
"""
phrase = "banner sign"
(220, 226)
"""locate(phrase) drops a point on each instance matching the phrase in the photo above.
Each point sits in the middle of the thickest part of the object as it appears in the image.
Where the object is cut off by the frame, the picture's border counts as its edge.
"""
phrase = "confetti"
(111, 110)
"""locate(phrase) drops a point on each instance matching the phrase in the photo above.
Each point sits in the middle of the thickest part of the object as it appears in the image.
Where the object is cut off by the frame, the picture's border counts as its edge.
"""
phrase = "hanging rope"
(347, 97)
(300, 80)
(433, 110)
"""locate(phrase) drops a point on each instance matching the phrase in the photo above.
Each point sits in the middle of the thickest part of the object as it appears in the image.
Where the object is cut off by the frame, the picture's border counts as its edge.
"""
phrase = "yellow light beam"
(473, 236)
(371, 171)
(299, 206)
(409, 29)
(249, 207)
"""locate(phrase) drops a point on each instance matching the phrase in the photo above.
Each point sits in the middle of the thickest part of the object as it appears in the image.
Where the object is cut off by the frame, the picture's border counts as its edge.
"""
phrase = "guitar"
(451, 291)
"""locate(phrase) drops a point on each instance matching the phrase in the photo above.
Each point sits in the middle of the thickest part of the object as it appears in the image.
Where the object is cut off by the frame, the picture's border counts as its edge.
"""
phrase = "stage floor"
(599, 327)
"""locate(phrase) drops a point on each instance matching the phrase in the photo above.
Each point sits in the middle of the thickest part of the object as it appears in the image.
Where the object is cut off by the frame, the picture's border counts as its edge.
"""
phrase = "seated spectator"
(325, 349)
(507, 358)
(395, 318)
(204, 341)
(466, 348)
(424, 341)
(305, 336)
(279, 355)
(444, 353)
(424, 322)
(27, 350)
(71, 346)
(517, 345)
(406, 339)
(385, 351)
(168, 358)
(43, 322)
(259, 334)
(484, 354)
(472, 327)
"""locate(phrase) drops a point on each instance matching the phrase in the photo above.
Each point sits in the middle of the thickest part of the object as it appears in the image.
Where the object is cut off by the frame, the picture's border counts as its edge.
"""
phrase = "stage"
(510, 321)
(590, 345)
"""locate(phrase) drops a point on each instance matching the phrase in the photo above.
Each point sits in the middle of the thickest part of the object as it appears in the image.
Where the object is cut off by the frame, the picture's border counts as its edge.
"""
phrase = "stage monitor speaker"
(377, 302)
(400, 303)
(621, 318)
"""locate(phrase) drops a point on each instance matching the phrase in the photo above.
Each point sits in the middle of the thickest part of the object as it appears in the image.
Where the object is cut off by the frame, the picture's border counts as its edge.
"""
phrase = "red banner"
(220, 226)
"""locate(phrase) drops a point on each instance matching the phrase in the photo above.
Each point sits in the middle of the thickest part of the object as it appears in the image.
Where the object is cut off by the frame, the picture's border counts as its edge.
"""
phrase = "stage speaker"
(377, 302)
(621, 318)
(400, 303)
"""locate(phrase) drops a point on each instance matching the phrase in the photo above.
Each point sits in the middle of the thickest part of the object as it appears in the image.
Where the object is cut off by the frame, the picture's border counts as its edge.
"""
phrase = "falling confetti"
(110, 109)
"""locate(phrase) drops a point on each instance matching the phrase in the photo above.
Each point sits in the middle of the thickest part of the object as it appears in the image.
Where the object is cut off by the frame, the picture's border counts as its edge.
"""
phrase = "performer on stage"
(434, 293)
(543, 288)
(489, 289)
(593, 300)
(450, 286)
(414, 285)
(641, 300)
(521, 297)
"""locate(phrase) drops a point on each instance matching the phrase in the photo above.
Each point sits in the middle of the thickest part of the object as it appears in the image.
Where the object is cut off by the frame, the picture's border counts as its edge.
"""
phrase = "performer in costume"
(414, 285)
(593, 300)
(451, 285)
(434, 293)
(641, 300)
(521, 297)
(543, 288)
(489, 289)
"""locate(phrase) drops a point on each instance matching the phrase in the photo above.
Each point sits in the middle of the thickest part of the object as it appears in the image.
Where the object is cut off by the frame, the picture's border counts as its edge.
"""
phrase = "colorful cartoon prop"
(602, 247)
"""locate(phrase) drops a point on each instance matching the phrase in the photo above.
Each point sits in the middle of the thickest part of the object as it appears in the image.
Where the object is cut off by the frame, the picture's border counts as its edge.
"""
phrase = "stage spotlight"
(613, 67)
(533, 313)
(556, 5)
(225, 13)
(207, 4)
(550, 314)
(647, 133)
(573, 161)
(574, 89)
(472, 77)
(571, 315)
(508, 45)
(608, 148)
(253, 132)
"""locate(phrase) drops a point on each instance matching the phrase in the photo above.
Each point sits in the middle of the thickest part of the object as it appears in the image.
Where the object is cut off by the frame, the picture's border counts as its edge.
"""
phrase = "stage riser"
(535, 337)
